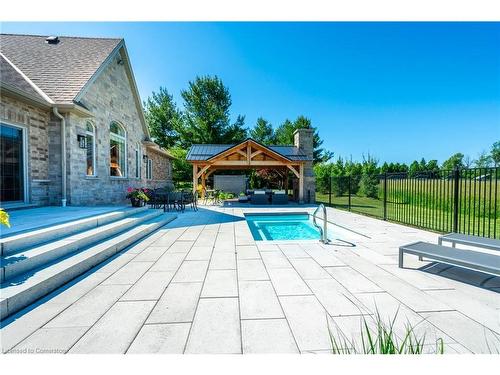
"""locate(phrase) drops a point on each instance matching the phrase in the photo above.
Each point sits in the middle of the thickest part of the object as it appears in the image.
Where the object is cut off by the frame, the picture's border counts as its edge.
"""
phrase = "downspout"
(55, 110)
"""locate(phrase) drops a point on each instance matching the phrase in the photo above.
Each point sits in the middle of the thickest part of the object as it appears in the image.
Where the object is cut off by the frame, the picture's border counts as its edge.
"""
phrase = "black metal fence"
(461, 200)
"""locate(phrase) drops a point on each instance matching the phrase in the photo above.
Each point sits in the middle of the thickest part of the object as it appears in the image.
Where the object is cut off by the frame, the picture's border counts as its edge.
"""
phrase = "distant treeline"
(364, 175)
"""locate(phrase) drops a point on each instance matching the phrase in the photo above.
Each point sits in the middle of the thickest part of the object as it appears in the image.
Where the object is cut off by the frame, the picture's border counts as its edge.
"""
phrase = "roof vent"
(52, 40)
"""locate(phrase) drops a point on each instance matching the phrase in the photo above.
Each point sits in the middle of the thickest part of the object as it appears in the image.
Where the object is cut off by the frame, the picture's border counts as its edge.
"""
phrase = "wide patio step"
(25, 289)
(28, 239)
(24, 261)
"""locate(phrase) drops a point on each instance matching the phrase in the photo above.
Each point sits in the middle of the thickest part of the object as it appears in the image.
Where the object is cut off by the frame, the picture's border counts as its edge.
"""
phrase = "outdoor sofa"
(260, 197)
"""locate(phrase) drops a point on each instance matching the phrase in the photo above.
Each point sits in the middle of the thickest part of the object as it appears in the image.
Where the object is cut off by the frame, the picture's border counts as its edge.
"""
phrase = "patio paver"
(216, 327)
(267, 336)
(161, 338)
(259, 301)
(202, 284)
(116, 330)
(177, 304)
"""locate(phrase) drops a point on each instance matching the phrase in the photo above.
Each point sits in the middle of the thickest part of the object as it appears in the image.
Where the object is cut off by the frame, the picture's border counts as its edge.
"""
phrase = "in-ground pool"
(282, 226)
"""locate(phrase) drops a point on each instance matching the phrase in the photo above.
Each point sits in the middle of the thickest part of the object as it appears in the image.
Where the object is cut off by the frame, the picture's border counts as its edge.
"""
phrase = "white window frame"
(149, 169)
(118, 137)
(138, 161)
(93, 135)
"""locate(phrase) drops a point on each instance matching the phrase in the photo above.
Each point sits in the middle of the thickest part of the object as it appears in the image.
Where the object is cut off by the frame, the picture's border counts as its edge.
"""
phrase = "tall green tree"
(236, 132)
(263, 132)
(495, 153)
(284, 136)
(206, 113)
(432, 166)
(414, 168)
(369, 177)
(454, 161)
(284, 133)
(163, 118)
(467, 161)
(483, 160)
(182, 170)
(423, 164)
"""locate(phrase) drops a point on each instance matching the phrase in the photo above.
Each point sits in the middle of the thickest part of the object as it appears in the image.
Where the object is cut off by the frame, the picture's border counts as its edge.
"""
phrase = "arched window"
(90, 138)
(117, 150)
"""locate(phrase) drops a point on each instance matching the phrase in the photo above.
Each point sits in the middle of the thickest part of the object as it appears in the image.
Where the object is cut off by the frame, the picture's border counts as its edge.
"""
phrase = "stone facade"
(303, 139)
(162, 167)
(35, 120)
(108, 98)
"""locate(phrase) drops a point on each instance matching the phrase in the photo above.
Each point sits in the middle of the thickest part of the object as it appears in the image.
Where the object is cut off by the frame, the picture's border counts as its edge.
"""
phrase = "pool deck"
(201, 284)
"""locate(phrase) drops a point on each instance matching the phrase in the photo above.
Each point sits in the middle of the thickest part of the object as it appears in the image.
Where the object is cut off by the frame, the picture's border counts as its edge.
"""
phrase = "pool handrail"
(322, 231)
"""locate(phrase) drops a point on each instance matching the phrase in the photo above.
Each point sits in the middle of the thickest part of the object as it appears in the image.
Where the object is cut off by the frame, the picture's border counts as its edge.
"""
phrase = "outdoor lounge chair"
(473, 260)
(280, 197)
(259, 197)
(466, 239)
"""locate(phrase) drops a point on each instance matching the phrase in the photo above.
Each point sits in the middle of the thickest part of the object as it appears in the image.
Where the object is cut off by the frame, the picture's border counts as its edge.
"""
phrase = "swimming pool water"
(282, 227)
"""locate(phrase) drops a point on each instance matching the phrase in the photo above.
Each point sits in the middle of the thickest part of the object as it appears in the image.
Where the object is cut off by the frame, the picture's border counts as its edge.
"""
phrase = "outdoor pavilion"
(249, 154)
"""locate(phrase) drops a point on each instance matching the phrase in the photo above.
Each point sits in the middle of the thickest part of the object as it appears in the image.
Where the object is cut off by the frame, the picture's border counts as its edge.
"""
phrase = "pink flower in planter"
(129, 190)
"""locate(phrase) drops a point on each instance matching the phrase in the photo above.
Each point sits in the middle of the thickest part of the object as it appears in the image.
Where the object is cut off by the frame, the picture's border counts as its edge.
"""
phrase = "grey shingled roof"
(59, 70)
(12, 78)
(201, 152)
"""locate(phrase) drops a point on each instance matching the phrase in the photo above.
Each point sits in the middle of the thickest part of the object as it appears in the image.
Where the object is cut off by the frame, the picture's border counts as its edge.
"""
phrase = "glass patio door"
(11, 164)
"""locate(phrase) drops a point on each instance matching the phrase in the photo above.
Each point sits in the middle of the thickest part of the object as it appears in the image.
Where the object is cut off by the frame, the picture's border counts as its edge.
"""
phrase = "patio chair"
(280, 197)
(209, 195)
(190, 198)
(175, 201)
(156, 198)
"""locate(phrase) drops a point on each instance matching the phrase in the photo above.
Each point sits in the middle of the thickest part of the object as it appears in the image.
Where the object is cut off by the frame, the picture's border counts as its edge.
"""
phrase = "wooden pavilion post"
(195, 179)
(286, 181)
(203, 183)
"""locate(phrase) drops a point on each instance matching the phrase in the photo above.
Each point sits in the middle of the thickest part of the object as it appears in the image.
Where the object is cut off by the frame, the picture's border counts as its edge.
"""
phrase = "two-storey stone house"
(76, 98)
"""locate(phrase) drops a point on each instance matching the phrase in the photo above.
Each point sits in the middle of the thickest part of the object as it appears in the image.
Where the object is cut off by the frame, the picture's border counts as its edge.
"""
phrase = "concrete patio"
(201, 284)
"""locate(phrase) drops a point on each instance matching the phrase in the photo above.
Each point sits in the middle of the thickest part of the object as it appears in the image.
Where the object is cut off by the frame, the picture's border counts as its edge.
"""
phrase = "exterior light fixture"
(145, 158)
(82, 141)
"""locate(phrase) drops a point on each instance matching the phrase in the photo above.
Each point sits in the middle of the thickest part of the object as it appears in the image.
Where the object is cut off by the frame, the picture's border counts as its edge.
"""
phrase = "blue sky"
(400, 91)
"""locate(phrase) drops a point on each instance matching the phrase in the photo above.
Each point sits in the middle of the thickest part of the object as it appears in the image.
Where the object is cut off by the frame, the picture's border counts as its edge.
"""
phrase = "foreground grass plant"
(382, 339)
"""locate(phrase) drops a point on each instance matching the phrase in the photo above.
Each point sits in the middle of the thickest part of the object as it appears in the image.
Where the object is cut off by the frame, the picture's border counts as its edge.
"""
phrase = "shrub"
(369, 185)
(4, 218)
(369, 178)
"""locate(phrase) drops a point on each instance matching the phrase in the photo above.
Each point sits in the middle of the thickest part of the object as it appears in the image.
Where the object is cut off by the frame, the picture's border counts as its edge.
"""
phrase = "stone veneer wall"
(303, 138)
(109, 98)
(162, 166)
(36, 122)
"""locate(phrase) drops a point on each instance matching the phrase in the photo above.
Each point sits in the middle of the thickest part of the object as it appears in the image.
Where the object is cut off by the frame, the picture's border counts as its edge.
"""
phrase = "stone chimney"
(303, 139)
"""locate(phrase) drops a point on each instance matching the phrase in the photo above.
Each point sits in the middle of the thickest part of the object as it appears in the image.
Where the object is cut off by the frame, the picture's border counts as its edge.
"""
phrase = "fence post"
(456, 184)
(330, 192)
(349, 190)
(385, 196)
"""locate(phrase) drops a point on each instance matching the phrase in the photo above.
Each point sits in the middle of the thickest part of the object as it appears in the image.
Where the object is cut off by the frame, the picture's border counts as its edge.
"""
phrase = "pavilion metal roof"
(203, 152)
